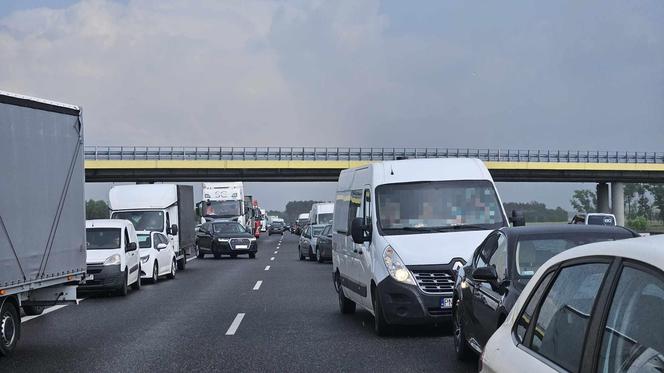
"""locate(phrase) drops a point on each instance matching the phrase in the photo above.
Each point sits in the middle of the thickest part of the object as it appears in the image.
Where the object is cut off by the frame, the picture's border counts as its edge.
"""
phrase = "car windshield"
(143, 220)
(228, 228)
(533, 250)
(317, 230)
(144, 241)
(438, 206)
(103, 238)
(222, 209)
(277, 224)
(325, 218)
(601, 220)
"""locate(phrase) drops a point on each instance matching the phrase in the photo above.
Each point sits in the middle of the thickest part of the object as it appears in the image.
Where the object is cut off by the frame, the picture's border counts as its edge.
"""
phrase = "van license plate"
(445, 302)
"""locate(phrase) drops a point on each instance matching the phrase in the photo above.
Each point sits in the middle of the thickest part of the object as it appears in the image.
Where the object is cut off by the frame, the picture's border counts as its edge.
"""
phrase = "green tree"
(657, 192)
(295, 208)
(537, 212)
(96, 209)
(584, 200)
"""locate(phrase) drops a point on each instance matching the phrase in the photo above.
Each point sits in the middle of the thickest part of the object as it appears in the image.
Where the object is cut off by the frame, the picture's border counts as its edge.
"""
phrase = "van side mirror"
(131, 247)
(517, 219)
(173, 230)
(360, 231)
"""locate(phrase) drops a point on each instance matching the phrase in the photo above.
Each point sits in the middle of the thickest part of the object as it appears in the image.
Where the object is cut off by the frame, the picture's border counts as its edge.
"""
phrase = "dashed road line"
(258, 285)
(272, 258)
(276, 252)
(235, 324)
(267, 268)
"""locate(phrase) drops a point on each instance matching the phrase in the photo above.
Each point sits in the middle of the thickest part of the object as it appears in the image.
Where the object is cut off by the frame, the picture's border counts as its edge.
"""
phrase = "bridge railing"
(363, 154)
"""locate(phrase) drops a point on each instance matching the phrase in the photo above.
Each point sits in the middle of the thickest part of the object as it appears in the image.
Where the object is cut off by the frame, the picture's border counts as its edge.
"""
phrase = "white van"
(402, 228)
(113, 259)
(321, 213)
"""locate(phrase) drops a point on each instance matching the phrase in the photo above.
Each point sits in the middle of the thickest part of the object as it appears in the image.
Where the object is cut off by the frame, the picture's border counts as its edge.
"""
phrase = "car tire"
(319, 258)
(124, 288)
(10, 328)
(33, 310)
(137, 285)
(461, 348)
(252, 255)
(346, 306)
(155, 273)
(171, 274)
(182, 263)
(381, 327)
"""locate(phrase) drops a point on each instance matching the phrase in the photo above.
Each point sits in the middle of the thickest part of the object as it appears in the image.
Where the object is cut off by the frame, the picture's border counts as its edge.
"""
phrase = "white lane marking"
(235, 324)
(267, 268)
(272, 258)
(276, 252)
(258, 285)
(47, 311)
(190, 259)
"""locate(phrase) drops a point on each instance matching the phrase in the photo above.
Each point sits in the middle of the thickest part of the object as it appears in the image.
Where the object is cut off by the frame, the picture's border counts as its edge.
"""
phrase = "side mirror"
(485, 274)
(131, 247)
(161, 246)
(360, 231)
(173, 230)
(517, 219)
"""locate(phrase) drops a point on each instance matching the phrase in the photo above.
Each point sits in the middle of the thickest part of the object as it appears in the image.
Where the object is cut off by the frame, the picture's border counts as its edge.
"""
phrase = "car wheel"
(33, 310)
(346, 305)
(461, 348)
(299, 250)
(252, 255)
(10, 328)
(155, 273)
(319, 258)
(380, 324)
(124, 288)
(137, 285)
(171, 274)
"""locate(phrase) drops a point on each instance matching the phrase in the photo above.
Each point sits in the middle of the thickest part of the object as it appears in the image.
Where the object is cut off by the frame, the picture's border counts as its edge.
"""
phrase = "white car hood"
(436, 248)
(98, 256)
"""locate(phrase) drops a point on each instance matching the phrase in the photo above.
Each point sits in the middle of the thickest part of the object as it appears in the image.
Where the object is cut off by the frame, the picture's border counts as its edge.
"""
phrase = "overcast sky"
(541, 75)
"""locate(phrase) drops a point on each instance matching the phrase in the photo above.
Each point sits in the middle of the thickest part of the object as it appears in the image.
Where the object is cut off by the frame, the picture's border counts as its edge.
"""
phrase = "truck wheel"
(182, 262)
(33, 310)
(380, 325)
(137, 285)
(155, 273)
(124, 288)
(252, 255)
(171, 274)
(10, 328)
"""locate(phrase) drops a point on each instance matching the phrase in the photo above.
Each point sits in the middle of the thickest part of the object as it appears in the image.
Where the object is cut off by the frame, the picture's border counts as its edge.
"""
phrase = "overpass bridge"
(173, 164)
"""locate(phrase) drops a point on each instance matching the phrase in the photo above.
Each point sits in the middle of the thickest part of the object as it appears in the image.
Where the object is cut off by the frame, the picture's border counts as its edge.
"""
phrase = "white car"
(596, 308)
(112, 256)
(157, 256)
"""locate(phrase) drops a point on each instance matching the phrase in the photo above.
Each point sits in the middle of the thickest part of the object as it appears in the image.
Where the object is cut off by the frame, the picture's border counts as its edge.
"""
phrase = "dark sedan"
(324, 245)
(276, 227)
(487, 287)
(225, 238)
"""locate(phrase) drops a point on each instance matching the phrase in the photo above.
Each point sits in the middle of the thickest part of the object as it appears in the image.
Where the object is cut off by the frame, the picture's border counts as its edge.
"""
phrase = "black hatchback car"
(225, 238)
(276, 227)
(487, 287)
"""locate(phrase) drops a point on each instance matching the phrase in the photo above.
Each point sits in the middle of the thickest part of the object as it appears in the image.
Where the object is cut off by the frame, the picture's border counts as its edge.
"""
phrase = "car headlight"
(144, 259)
(112, 260)
(396, 268)
(223, 239)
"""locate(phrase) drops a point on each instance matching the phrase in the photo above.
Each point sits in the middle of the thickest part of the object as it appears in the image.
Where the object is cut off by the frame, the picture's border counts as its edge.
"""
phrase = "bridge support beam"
(603, 197)
(618, 201)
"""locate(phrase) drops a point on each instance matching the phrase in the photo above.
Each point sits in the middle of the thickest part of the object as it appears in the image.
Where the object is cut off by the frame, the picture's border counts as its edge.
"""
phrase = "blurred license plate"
(445, 302)
(240, 246)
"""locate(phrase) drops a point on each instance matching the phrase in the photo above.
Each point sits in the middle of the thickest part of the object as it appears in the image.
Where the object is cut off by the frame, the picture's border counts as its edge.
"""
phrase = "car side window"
(633, 337)
(527, 315)
(560, 326)
(499, 257)
(485, 250)
(162, 238)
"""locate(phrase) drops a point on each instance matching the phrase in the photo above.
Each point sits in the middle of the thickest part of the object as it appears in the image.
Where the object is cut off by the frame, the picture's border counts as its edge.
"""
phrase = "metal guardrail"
(362, 154)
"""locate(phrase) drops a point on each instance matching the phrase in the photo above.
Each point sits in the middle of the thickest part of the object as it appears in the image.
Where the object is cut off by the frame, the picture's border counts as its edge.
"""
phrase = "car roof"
(107, 223)
(643, 249)
(564, 228)
(224, 221)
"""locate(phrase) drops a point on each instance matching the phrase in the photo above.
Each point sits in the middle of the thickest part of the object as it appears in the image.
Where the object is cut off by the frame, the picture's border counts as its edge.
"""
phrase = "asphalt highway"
(269, 314)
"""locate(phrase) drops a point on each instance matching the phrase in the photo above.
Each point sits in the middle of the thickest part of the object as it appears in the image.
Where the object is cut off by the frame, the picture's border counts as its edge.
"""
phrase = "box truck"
(164, 208)
(42, 214)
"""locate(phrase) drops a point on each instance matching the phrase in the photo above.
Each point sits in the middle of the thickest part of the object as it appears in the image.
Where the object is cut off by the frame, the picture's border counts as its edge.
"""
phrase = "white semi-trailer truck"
(225, 201)
(163, 208)
(42, 213)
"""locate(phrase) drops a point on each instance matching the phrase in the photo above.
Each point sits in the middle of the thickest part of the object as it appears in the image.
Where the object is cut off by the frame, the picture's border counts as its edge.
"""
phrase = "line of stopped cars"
(427, 242)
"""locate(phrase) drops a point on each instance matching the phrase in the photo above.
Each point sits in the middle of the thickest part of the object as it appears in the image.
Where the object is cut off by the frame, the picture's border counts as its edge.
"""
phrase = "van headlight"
(144, 259)
(396, 268)
(112, 260)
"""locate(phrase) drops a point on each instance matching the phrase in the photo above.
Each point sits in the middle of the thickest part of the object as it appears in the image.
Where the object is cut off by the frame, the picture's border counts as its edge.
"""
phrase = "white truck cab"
(321, 213)
(400, 231)
(112, 256)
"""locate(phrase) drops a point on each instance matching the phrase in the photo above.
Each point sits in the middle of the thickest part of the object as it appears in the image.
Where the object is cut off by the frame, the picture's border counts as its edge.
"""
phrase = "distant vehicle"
(594, 218)
(324, 245)
(398, 225)
(276, 227)
(321, 213)
(220, 237)
(593, 308)
(113, 260)
(301, 222)
(226, 201)
(487, 287)
(264, 221)
(41, 210)
(164, 208)
(307, 241)
(157, 256)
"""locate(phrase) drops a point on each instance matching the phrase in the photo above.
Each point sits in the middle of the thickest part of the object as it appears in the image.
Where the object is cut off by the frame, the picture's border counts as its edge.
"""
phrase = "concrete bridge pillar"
(603, 197)
(618, 202)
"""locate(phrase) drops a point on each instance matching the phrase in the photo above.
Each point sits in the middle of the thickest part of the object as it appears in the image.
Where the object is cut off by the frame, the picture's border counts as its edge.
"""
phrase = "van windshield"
(143, 220)
(102, 238)
(325, 218)
(438, 206)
